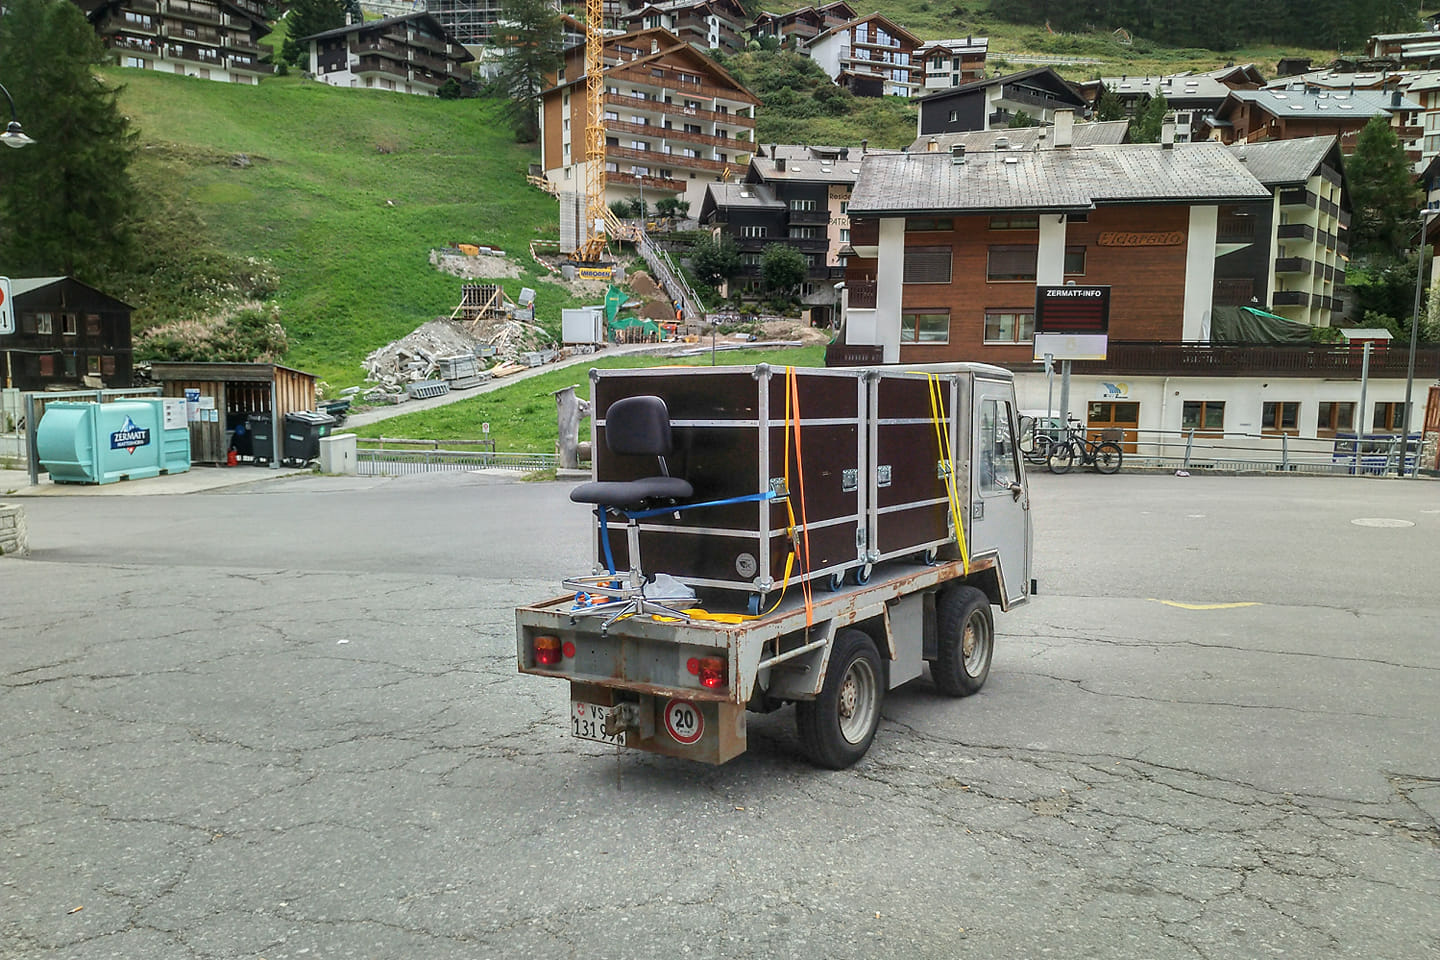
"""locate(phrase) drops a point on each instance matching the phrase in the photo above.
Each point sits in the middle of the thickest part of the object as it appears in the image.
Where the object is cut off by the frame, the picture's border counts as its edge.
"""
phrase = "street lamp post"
(13, 135)
(1425, 216)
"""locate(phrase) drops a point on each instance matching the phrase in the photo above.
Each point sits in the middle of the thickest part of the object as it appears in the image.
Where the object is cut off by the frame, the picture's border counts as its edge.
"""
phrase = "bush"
(249, 335)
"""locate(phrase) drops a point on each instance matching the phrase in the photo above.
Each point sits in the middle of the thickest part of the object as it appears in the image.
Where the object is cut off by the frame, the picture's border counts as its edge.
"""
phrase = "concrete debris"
(416, 356)
(485, 264)
(432, 352)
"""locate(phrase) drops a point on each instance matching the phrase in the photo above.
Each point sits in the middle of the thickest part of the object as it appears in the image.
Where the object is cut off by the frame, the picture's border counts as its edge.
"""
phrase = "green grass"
(347, 193)
(522, 415)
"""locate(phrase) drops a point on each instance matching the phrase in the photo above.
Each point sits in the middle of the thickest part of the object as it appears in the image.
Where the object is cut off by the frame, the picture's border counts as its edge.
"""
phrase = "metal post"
(1064, 394)
(32, 456)
(1414, 334)
(1049, 386)
(1189, 445)
(275, 427)
(1285, 451)
(1360, 414)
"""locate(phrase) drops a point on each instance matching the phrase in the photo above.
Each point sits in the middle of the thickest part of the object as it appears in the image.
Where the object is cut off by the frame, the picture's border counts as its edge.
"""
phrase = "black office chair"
(634, 426)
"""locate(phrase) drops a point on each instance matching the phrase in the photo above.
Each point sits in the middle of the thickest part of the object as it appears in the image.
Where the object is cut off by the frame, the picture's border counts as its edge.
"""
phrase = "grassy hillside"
(345, 194)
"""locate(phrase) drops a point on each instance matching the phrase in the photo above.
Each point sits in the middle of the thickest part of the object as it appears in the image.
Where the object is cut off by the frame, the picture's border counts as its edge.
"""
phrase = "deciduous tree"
(782, 267)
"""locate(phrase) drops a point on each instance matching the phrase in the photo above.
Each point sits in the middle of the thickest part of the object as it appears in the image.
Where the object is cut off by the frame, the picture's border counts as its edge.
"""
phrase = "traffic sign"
(7, 312)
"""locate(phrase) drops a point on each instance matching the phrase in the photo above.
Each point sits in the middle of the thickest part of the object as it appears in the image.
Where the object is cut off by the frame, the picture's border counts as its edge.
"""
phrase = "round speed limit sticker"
(684, 721)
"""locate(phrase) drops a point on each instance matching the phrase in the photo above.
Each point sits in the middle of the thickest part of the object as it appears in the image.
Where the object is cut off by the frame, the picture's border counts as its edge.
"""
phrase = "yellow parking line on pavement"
(1206, 606)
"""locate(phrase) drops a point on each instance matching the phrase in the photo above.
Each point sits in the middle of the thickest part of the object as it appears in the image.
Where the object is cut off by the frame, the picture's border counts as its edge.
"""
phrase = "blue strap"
(605, 542)
(749, 498)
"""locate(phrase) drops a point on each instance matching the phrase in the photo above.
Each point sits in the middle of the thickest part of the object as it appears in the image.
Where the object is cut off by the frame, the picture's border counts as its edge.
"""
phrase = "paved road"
(283, 721)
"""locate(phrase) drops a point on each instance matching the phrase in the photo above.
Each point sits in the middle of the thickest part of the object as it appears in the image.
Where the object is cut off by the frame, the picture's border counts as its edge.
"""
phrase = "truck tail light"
(711, 672)
(547, 651)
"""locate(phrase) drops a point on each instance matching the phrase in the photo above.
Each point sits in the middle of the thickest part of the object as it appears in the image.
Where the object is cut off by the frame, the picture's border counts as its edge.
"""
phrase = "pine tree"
(533, 55)
(66, 200)
(307, 18)
(1145, 128)
(1383, 193)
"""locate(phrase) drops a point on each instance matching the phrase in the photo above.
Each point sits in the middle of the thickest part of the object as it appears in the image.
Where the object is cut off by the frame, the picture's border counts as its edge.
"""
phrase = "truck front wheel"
(836, 728)
(965, 643)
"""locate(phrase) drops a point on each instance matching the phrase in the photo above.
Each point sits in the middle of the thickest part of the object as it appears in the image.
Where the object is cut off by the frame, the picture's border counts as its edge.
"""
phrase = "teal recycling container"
(106, 442)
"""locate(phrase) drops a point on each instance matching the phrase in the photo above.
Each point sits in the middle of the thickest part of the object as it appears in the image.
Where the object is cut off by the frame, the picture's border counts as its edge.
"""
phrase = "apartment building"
(1287, 254)
(208, 39)
(991, 104)
(1301, 110)
(950, 63)
(706, 24)
(803, 23)
(798, 195)
(871, 57)
(675, 120)
(409, 54)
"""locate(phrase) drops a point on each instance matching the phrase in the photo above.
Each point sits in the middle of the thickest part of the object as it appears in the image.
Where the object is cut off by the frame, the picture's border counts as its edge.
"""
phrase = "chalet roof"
(1279, 162)
(1098, 133)
(1175, 88)
(893, 28)
(1045, 77)
(435, 26)
(1296, 102)
(957, 45)
(1331, 79)
(1070, 180)
(22, 286)
(749, 196)
(807, 163)
(668, 43)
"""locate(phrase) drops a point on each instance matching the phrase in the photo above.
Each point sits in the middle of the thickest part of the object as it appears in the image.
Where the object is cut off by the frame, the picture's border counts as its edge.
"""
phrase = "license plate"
(587, 721)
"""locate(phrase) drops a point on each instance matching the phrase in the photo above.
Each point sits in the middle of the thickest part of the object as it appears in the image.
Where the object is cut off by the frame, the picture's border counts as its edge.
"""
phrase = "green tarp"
(614, 300)
(1249, 325)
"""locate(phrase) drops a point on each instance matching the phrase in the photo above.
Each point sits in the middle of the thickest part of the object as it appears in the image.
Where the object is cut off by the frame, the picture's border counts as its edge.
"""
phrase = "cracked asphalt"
(284, 721)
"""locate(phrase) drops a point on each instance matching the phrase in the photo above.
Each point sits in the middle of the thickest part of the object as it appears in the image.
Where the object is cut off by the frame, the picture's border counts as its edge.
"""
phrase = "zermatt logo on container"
(129, 436)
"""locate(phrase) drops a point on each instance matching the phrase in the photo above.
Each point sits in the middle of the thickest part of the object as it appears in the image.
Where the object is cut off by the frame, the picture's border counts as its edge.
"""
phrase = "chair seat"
(629, 493)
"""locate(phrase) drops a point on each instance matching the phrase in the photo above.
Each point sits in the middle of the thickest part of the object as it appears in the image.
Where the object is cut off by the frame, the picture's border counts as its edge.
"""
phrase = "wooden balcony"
(809, 216)
(1241, 360)
(383, 66)
(677, 135)
(1291, 298)
(657, 183)
(1292, 265)
(863, 293)
(205, 56)
(1295, 231)
(644, 104)
(672, 82)
(654, 158)
(203, 12)
(191, 33)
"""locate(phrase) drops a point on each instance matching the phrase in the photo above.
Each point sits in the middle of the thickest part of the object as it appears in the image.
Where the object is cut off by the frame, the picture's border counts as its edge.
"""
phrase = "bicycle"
(1035, 440)
(1104, 455)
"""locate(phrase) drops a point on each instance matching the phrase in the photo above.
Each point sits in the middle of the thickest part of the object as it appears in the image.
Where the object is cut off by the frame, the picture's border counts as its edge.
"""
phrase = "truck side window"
(998, 469)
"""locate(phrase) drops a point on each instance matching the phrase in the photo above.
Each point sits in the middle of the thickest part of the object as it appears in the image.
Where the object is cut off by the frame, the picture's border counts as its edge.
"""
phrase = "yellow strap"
(947, 453)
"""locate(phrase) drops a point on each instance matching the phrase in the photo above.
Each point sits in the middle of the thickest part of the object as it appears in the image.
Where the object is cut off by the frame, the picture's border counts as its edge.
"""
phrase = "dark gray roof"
(1278, 162)
(1326, 103)
(751, 196)
(807, 163)
(19, 285)
(1024, 138)
(429, 21)
(1058, 180)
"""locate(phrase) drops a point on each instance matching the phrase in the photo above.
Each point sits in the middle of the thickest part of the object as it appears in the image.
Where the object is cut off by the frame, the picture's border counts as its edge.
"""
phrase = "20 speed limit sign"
(684, 721)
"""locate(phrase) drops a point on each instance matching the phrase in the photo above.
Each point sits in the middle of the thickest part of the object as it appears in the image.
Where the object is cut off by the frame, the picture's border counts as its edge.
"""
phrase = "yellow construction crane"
(593, 235)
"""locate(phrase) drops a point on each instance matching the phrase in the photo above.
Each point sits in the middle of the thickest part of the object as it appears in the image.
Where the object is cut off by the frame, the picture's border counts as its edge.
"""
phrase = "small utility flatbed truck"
(883, 550)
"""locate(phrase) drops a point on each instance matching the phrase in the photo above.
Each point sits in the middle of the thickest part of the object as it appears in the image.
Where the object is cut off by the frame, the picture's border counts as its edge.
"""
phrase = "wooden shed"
(238, 390)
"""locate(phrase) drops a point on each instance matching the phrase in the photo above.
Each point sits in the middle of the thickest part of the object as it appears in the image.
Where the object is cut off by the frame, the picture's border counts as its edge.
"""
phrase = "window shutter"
(927, 265)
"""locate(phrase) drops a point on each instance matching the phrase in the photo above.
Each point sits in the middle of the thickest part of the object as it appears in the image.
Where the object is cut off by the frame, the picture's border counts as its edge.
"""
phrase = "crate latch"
(849, 481)
(882, 476)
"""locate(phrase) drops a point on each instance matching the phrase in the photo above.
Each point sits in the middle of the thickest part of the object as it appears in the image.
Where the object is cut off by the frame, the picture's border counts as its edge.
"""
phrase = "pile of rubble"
(414, 358)
(421, 356)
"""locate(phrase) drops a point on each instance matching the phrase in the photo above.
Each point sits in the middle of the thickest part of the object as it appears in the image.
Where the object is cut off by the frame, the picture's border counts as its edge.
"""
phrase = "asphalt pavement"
(282, 720)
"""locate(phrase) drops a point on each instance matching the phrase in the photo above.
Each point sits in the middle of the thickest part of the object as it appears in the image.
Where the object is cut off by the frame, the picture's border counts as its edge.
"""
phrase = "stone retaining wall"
(14, 539)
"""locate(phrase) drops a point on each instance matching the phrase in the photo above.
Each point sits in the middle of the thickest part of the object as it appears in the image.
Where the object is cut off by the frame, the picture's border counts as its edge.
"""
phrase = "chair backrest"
(638, 426)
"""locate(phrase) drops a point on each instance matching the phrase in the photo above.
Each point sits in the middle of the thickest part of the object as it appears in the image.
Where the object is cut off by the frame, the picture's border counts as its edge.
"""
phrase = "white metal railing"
(390, 462)
(671, 278)
(1374, 454)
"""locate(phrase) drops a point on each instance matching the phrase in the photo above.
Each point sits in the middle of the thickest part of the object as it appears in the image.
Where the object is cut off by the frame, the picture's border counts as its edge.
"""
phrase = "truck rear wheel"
(965, 641)
(837, 727)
